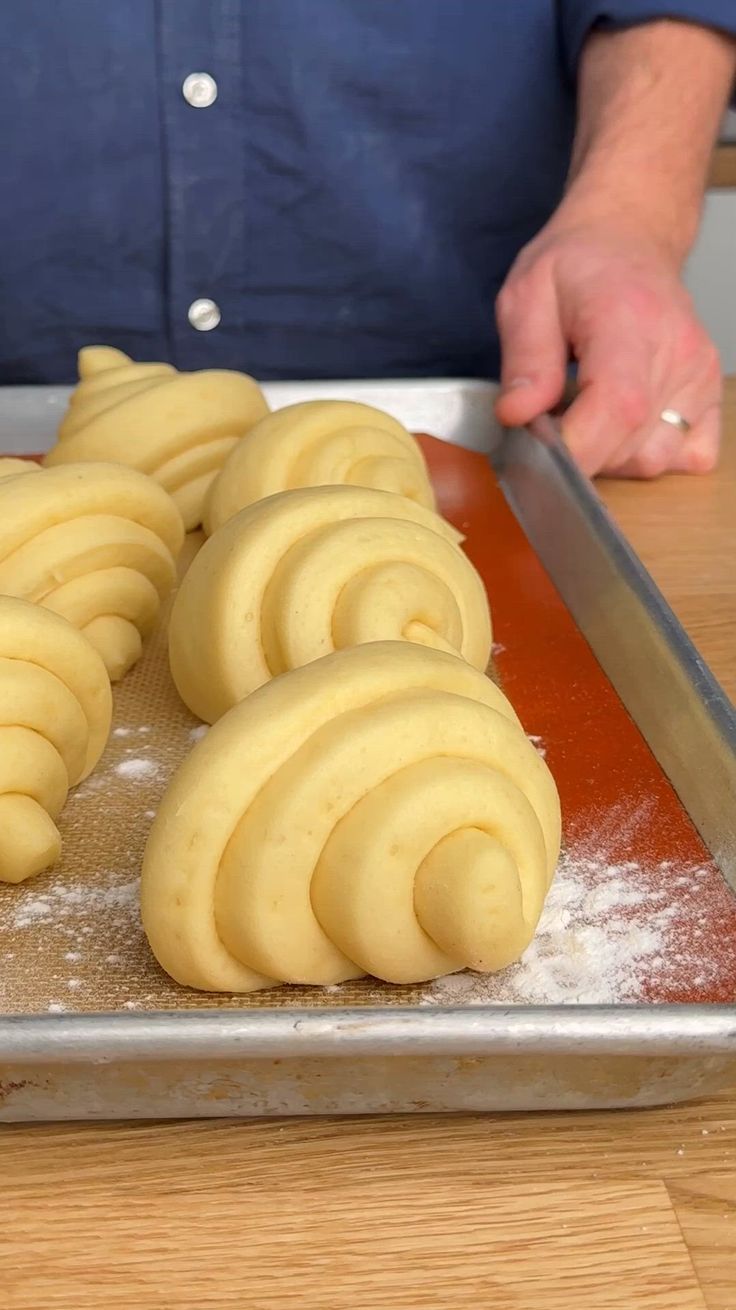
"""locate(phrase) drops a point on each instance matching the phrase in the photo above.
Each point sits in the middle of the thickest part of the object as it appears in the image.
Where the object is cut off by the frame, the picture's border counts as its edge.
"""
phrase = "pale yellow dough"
(378, 811)
(314, 444)
(304, 573)
(55, 708)
(178, 427)
(96, 543)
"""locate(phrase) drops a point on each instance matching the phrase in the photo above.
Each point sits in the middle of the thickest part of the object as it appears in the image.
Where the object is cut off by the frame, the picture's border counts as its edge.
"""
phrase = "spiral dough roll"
(378, 811)
(304, 573)
(96, 543)
(55, 707)
(313, 444)
(178, 427)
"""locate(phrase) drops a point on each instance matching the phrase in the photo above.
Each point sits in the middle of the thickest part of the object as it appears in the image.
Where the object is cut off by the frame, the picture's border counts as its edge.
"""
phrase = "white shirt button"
(204, 315)
(199, 90)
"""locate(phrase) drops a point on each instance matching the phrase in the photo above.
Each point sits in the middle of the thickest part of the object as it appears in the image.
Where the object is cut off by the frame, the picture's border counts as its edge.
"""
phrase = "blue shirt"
(351, 201)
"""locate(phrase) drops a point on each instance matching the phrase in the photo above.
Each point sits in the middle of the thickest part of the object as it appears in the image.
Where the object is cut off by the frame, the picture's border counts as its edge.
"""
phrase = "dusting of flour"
(137, 769)
(609, 933)
(71, 915)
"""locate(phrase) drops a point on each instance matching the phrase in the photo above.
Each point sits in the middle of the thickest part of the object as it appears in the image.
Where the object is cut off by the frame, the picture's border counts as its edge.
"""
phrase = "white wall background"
(711, 273)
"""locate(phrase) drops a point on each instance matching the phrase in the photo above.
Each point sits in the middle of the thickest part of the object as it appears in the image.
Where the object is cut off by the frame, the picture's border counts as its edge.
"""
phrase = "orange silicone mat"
(638, 900)
(618, 807)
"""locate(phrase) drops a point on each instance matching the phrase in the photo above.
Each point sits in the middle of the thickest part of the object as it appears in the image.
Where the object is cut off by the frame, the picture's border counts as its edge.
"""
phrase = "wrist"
(660, 213)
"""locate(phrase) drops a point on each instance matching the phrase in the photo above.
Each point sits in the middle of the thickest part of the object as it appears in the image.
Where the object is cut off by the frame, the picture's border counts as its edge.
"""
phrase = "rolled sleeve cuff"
(578, 17)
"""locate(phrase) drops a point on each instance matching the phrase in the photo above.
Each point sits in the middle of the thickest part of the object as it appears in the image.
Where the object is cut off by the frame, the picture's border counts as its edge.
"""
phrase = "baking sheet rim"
(647, 1030)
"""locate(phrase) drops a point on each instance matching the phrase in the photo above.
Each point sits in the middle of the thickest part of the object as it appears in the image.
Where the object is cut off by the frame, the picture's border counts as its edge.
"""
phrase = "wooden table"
(616, 1211)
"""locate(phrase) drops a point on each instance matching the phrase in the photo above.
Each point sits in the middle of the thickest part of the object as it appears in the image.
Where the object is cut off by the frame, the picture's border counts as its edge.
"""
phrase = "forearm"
(650, 100)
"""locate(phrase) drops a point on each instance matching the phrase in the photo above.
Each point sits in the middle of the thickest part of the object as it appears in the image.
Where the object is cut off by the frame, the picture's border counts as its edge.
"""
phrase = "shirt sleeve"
(577, 17)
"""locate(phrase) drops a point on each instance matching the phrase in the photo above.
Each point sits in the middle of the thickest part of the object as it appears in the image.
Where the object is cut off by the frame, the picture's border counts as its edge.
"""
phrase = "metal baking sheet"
(376, 1050)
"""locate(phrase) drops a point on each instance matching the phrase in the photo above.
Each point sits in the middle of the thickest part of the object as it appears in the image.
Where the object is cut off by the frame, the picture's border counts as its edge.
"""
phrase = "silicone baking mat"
(638, 912)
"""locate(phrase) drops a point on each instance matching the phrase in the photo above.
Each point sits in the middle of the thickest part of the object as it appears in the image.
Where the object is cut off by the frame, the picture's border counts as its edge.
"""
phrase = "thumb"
(533, 350)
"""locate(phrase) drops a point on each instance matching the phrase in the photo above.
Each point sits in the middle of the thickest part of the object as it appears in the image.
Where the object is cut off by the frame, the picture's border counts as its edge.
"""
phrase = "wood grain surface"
(611, 1211)
(723, 166)
(684, 530)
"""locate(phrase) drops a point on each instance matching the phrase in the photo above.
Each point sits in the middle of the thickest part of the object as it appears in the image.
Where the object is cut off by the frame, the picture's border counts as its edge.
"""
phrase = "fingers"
(628, 378)
(661, 447)
(699, 451)
(613, 407)
(670, 451)
(652, 457)
(533, 349)
(622, 312)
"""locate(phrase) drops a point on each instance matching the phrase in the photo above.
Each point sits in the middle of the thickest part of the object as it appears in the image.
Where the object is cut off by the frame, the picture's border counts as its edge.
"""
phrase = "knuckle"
(503, 298)
(511, 296)
(589, 460)
(695, 352)
(645, 301)
(703, 459)
(634, 304)
(650, 463)
(505, 303)
(690, 341)
(631, 404)
(525, 281)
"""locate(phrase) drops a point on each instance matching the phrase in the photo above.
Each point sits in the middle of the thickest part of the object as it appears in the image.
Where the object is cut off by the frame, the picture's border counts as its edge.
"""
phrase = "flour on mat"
(138, 769)
(606, 930)
(76, 905)
(74, 912)
(610, 932)
(136, 766)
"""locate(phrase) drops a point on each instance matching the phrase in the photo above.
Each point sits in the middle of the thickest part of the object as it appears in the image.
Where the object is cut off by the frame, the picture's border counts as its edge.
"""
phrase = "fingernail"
(516, 383)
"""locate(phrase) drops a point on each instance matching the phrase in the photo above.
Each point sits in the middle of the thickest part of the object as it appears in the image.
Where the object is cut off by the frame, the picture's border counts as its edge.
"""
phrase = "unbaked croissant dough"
(313, 444)
(378, 811)
(95, 542)
(179, 427)
(304, 573)
(55, 707)
(10, 465)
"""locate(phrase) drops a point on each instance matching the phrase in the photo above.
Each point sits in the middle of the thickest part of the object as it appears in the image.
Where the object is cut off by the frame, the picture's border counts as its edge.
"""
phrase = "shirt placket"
(201, 107)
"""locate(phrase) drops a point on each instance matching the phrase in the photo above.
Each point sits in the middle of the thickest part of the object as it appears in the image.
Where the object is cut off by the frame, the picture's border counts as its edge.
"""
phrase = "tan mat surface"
(71, 939)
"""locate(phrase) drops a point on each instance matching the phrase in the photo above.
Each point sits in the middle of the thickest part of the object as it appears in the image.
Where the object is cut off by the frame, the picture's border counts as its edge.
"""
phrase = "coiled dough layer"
(304, 573)
(55, 708)
(96, 543)
(313, 444)
(178, 427)
(378, 811)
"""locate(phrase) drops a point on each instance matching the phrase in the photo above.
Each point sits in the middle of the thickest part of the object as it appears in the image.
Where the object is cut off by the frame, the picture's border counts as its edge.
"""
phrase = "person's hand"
(598, 290)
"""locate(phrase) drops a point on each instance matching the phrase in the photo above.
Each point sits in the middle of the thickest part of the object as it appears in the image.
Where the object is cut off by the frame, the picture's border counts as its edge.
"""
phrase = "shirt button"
(199, 90)
(204, 315)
